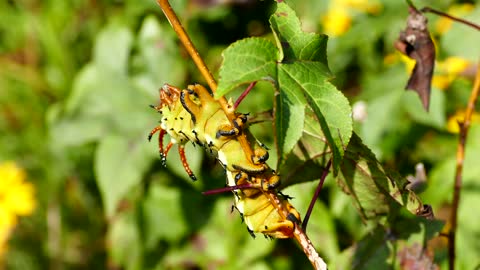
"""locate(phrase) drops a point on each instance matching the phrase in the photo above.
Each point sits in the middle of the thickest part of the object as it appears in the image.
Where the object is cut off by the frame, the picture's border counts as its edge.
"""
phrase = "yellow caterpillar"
(193, 115)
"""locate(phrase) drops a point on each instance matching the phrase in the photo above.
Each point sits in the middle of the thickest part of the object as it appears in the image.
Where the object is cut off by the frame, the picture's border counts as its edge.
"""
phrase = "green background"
(76, 79)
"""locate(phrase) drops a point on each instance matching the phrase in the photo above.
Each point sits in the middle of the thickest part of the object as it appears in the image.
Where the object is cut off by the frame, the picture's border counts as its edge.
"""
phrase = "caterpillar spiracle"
(193, 115)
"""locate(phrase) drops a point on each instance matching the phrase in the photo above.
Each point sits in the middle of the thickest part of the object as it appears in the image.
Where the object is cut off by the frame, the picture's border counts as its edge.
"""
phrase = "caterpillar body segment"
(258, 212)
(193, 115)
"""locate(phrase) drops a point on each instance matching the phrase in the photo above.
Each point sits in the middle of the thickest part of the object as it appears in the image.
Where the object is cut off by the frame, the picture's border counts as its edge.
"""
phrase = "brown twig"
(464, 126)
(182, 35)
(299, 234)
(443, 14)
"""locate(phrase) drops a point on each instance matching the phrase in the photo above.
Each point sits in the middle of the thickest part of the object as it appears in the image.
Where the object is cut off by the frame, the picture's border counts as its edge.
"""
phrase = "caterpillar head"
(169, 95)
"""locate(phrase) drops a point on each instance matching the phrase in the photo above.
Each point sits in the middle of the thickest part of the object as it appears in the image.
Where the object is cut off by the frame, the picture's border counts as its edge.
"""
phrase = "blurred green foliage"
(76, 79)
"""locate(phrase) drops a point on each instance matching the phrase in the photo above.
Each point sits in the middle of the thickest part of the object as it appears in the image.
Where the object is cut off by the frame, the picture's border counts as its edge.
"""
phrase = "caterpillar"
(193, 115)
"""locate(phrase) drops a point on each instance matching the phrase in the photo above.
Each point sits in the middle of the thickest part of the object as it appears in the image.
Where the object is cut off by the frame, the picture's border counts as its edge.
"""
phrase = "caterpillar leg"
(260, 151)
(256, 182)
(183, 158)
(157, 108)
(155, 130)
(161, 135)
(260, 155)
(163, 155)
(227, 131)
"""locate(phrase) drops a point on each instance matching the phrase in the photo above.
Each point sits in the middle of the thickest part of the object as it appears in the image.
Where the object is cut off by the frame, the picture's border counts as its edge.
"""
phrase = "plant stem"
(443, 14)
(315, 196)
(187, 43)
(464, 126)
(299, 234)
(244, 94)
(410, 4)
(182, 35)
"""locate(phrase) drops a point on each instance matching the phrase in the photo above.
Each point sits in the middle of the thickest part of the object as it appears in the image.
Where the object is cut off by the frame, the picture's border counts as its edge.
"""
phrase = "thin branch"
(226, 189)
(183, 36)
(187, 43)
(299, 234)
(443, 14)
(464, 126)
(244, 94)
(316, 194)
(410, 4)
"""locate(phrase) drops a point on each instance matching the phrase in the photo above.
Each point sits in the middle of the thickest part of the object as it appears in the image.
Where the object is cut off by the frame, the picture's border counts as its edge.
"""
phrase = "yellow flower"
(338, 19)
(372, 7)
(16, 199)
(448, 70)
(444, 24)
(336, 22)
(459, 116)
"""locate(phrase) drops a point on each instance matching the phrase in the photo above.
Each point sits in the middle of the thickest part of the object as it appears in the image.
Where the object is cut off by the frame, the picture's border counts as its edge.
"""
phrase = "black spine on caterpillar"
(193, 115)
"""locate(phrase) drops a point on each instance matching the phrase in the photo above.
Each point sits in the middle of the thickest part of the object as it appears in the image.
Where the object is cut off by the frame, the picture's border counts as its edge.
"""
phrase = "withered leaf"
(415, 42)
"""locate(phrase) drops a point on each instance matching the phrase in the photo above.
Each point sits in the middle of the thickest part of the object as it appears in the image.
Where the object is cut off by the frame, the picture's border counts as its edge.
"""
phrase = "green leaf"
(330, 106)
(245, 61)
(112, 48)
(295, 44)
(289, 119)
(161, 211)
(388, 120)
(103, 99)
(235, 250)
(119, 166)
(301, 76)
(375, 251)
(159, 58)
(309, 157)
(372, 251)
(87, 116)
(124, 237)
(376, 193)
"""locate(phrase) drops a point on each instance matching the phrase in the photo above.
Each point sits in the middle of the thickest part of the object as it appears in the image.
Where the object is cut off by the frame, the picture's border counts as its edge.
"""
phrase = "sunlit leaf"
(298, 69)
(245, 61)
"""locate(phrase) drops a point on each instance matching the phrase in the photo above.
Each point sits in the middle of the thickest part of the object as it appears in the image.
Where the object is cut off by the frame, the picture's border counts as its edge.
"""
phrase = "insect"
(193, 115)
(257, 210)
